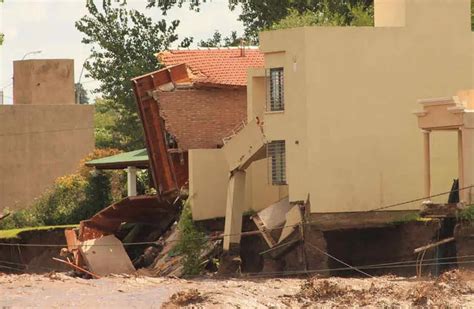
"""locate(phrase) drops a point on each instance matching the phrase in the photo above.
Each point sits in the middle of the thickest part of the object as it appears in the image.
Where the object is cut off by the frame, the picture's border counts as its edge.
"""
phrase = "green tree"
(472, 15)
(258, 15)
(123, 44)
(217, 41)
(81, 94)
(357, 16)
(1, 34)
(73, 197)
(105, 118)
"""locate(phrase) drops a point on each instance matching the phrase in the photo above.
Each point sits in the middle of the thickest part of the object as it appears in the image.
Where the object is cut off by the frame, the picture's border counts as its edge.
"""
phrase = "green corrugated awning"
(136, 158)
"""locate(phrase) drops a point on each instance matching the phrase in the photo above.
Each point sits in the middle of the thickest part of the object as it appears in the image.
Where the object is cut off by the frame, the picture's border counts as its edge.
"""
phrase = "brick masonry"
(201, 118)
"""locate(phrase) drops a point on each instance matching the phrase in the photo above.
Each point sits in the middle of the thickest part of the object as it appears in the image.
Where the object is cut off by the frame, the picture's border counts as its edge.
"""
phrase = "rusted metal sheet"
(133, 209)
(149, 110)
(77, 267)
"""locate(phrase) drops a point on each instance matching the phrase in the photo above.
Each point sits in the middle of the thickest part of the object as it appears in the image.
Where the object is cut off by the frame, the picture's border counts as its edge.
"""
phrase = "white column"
(468, 163)
(132, 181)
(462, 196)
(427, 159)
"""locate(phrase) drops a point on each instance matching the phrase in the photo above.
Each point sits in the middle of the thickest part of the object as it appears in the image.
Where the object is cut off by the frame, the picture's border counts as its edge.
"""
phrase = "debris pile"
(382, 291)
(336, 292)
(450, 285)
(184, 298)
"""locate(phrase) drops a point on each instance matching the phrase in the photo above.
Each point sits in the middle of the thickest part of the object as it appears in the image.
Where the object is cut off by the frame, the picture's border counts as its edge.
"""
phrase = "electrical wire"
(47, 131)
(421, 199)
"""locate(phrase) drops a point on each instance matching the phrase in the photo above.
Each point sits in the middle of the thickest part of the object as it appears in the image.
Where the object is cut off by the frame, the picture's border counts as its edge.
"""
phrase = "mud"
(453, 289)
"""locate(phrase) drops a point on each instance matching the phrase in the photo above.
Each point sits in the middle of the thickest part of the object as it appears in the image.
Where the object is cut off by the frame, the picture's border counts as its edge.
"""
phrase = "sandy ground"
(453, 289)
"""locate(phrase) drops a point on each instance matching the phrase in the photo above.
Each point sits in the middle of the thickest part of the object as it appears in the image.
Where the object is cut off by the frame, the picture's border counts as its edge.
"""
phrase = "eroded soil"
(56, 290)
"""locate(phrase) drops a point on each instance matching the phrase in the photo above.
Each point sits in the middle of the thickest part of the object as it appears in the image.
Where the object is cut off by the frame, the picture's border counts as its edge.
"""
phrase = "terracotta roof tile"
(219, 66)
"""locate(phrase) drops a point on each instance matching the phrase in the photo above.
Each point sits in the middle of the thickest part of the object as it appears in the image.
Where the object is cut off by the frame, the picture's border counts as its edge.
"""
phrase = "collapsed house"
(329, 144)
(202, 101)
(327, 162)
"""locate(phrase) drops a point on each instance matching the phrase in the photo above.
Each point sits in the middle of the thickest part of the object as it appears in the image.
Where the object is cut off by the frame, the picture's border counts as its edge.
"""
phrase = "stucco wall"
(208, 180)
(45, 81)
(38, 144)
(352, 140)
(201, 118)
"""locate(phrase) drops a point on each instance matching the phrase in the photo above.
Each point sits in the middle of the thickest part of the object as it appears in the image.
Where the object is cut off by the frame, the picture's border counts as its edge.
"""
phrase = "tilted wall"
(201, 118)
(208, 180)
(352, 141)
(40, 143)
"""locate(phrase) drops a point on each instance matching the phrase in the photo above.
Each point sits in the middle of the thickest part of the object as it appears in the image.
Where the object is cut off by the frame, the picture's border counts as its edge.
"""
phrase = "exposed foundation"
(33, 259)
(463, 233)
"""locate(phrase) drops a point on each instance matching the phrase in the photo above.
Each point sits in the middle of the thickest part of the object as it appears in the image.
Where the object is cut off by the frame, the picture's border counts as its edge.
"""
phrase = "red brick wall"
(200, 118)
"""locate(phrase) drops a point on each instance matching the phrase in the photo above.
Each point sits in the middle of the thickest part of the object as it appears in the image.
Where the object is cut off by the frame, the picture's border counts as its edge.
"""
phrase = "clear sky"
(48, 25)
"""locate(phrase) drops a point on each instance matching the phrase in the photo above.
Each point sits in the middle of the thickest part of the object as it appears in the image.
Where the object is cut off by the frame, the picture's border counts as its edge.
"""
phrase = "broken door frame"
(449, 114)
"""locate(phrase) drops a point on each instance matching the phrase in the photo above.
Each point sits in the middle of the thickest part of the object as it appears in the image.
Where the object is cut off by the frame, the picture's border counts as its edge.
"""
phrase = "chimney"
(427, 15)
(43, 81)
(242, 48)
(390, 13)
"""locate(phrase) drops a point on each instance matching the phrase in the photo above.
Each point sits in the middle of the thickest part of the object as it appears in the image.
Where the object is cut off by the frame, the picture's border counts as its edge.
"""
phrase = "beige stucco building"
(330, 119)
(44, 134)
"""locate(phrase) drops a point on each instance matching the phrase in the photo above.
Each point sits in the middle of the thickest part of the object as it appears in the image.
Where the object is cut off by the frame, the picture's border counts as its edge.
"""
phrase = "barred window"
(277, 154)
(275, 89)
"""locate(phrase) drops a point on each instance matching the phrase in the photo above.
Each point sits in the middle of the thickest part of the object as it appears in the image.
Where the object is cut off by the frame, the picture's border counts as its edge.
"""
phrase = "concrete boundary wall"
(38, 144)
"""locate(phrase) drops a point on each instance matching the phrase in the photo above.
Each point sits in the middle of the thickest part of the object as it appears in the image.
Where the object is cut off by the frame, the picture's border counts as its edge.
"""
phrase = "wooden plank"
(4, 216)
(71, 240)
(435, 244)
(77, 267)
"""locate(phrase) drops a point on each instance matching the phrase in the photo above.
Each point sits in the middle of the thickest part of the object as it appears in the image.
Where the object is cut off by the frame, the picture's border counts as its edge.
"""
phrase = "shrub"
(72, 198)
(191, 242)
(467, 214)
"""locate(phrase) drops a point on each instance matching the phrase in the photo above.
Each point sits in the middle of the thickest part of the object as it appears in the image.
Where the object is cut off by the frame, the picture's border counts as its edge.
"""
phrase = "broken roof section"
(215, 67)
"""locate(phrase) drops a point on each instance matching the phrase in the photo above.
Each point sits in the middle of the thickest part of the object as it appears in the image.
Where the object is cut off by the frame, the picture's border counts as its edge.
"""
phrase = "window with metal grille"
(277, 154)
(275, 90)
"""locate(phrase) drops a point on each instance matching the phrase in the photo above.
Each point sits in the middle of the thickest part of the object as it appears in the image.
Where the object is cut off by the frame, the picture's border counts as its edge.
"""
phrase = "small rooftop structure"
(215, 66)
(455, 114)
(136, 158)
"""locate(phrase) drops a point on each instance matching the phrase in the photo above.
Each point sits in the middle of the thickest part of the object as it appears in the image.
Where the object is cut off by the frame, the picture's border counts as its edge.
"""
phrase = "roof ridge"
(217, 65)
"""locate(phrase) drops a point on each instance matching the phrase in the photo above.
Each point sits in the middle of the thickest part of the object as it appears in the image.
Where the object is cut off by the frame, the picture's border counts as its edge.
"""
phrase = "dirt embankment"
(32, 258)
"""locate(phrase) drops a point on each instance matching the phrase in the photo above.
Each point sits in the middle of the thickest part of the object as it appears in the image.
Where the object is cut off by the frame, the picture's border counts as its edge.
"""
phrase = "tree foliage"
(81, 94)
(1, 34)
(190, 243)
(218, 41)
(472, 15)
(258, 15)
(105, 119)
(123, 44)
(357, 16)
(73, 197)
